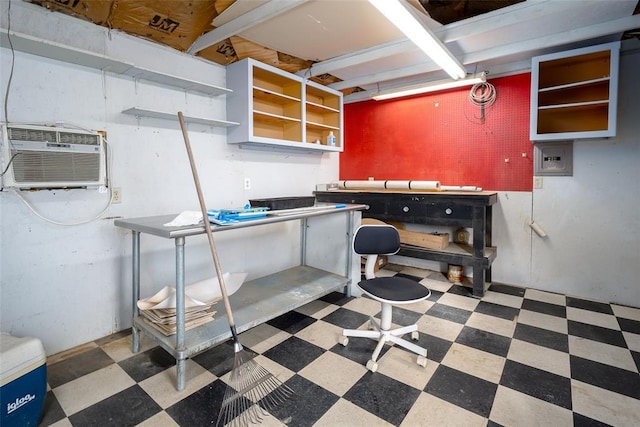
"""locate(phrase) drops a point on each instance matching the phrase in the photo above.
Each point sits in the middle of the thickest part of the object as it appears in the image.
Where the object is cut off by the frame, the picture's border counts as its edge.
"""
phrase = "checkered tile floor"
(517, 357)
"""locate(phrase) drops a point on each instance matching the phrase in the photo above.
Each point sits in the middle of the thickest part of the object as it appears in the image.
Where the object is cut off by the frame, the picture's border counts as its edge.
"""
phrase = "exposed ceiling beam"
(360, 57)
(616, 26)
(501, 18)
(530, 9)
(234, 27)
(398, 73)
(551, 40)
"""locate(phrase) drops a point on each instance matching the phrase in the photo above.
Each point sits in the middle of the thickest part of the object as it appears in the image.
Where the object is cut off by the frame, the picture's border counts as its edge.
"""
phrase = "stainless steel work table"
(256, 302)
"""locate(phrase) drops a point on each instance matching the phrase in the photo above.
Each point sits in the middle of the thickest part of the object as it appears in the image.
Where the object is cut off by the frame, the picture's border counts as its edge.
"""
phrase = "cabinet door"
(574, 93)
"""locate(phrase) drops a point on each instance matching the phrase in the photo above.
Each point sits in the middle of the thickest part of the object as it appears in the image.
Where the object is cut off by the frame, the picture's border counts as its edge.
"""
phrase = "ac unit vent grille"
(78, 138)
(39, 166)
(32, 135)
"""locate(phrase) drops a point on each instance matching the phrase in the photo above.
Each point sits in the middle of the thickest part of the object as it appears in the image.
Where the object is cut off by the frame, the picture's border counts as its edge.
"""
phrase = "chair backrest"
(376, 240)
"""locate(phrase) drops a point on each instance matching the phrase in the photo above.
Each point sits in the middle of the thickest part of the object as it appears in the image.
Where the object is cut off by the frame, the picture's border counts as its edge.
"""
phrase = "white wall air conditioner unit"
(52, 157)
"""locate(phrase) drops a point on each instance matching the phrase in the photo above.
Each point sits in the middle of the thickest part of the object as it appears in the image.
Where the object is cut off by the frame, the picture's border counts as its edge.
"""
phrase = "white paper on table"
(185, 218)
(202, 293)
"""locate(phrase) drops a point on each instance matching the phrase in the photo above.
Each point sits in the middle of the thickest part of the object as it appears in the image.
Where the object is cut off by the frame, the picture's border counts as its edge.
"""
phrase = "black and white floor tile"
(517, 357)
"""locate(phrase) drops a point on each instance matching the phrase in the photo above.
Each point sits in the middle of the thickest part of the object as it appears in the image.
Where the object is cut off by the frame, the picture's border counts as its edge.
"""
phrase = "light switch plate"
(553, 158)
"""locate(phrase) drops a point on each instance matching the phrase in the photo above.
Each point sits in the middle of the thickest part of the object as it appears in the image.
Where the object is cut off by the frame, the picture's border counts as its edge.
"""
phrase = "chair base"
(387, 335)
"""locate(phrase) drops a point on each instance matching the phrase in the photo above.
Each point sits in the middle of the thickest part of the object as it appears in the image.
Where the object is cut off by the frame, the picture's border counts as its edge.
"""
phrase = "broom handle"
(207, 227)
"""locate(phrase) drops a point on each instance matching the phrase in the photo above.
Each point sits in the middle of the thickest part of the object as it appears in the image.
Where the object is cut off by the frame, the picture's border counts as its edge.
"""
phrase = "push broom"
(250, 385)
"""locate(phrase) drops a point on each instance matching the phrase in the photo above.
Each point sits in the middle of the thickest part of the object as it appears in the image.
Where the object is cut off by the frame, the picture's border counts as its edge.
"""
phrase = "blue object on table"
(231, 216)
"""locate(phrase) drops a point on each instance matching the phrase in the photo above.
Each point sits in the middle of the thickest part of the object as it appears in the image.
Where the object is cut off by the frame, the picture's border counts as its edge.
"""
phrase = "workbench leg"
(135, 285)
(478, 281)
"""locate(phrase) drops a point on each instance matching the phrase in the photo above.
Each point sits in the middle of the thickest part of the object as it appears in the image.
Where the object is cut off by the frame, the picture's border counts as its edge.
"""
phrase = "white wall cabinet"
(279, 109)
(574, 93)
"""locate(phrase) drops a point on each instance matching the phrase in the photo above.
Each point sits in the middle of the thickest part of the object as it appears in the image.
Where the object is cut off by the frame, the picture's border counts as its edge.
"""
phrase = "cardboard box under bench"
(424, 240)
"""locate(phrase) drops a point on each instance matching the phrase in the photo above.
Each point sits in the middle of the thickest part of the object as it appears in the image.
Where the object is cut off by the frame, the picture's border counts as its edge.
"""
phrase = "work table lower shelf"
(455, 253)
(256, 302)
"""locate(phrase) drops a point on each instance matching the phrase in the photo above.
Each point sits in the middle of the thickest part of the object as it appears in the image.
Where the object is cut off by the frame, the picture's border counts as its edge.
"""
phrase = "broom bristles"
(250, 387)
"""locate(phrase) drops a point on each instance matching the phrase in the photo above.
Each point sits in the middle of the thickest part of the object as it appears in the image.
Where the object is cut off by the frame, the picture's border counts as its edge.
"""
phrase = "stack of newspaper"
(160, 309)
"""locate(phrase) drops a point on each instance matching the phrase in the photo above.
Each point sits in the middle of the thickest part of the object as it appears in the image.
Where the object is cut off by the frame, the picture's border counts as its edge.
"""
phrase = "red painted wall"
(443, 137)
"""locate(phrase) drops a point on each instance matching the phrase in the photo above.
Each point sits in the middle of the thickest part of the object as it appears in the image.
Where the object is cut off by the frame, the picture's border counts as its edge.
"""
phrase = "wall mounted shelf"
(175, 81)
(142, 112)
(72, 55)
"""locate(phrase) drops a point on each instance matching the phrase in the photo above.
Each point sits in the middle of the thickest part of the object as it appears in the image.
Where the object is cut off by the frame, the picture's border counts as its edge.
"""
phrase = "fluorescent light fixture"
(401, 15)
(430, 87)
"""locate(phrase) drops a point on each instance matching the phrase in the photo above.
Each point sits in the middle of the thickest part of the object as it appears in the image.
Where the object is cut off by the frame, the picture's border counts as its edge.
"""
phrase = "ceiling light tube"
(430, 87)
(398, 12)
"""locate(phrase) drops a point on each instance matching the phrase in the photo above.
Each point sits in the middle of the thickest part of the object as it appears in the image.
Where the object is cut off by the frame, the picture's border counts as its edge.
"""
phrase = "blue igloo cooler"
(23, 380)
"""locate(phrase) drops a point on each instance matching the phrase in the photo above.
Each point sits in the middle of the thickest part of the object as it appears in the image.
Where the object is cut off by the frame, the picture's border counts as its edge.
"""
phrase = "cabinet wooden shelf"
(143, 112)
(318, 108)
(275, 118)
(271, 96)
(321, 126)
(574, 93)
(281, 110)
(256, 301)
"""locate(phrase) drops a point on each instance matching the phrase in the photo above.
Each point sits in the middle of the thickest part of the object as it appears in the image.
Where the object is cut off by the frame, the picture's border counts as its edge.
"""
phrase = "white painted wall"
(68, 285)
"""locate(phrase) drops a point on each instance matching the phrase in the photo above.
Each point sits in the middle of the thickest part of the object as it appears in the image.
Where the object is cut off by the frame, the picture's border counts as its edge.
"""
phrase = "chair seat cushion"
(397, 290)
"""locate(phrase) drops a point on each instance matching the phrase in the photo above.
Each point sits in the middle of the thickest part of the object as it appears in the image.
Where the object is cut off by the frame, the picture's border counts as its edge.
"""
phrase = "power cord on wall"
(13, 59)
(482, 94)
(6, 117)
(6, 94)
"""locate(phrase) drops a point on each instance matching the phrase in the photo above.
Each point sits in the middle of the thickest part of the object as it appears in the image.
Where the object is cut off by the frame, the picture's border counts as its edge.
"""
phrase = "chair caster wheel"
(343, 340)
(415, 336)
(422, 361)
(372, 366)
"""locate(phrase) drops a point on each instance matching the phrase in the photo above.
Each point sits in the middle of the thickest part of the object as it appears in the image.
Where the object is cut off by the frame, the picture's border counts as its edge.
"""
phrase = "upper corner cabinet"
(279, 109)
(574, 93)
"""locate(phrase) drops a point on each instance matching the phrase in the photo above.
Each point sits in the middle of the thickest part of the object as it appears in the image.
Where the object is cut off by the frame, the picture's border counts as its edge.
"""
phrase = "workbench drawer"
(449, 211)
(374, 205)
(408, 208)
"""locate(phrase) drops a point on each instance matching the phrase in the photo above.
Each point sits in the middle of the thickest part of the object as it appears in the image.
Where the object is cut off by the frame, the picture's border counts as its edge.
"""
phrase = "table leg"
(349, 236)
(135, 285)
(304, 225)
(180, 314)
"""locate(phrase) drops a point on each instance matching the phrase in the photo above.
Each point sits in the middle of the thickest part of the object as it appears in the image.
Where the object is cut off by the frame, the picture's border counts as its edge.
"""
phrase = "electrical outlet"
(537, 182)
(247, 183)
(116, 195)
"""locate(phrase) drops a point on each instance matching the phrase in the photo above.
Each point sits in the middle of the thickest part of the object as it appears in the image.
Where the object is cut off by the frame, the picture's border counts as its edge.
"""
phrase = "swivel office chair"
(371, 241)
